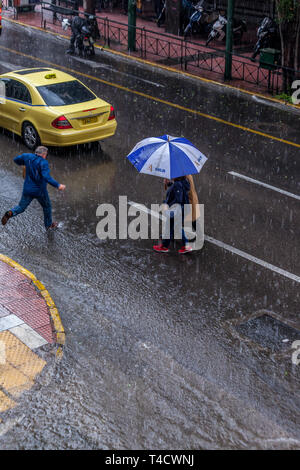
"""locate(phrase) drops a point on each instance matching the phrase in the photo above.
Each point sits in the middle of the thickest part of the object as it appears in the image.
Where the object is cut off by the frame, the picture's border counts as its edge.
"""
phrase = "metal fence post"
(229, 41)
(131, 24)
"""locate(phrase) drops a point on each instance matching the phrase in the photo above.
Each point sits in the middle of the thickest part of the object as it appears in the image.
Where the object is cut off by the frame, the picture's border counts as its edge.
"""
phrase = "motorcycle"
(218, 30)
(195, 19)
(84, 41)
(267, 34)
(87, 41)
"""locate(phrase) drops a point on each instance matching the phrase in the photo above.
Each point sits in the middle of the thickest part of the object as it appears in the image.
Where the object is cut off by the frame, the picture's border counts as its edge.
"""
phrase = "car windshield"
(62, 94)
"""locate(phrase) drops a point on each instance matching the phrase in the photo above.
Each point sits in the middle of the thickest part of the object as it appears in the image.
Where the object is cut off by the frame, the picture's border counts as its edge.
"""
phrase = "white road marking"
(231, 249)
(245, 255)
(260, 183)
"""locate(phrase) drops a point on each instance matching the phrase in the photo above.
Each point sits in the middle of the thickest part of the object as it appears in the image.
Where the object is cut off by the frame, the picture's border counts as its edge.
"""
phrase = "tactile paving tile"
(25, 326)
(47, 333)
(10, 377)
(20, 291)
(18, 390)
(12, 278)
(33, 368)
(5, 402)
(35, 319)
(27, 306)
(21, 365)
(20, 355)
(9, 340)
(28, 336)
(5, 268)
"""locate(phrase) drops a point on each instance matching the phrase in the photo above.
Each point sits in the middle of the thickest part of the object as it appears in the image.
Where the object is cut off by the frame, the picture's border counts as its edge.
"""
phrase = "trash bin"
(269, 59)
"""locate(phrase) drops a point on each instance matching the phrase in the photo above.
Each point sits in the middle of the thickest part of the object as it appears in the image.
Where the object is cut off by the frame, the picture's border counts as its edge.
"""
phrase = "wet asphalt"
(152, 358)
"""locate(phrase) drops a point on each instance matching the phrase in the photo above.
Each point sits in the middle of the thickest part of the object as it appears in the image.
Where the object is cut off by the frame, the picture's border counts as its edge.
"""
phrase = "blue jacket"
(178, 193)
(37, 174)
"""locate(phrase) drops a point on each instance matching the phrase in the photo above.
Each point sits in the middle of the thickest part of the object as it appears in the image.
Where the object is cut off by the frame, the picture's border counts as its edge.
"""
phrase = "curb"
(59, 329)
(163, 67)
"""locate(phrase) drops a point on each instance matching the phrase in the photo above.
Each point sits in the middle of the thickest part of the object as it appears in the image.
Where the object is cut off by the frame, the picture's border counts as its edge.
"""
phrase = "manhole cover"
(269, 333)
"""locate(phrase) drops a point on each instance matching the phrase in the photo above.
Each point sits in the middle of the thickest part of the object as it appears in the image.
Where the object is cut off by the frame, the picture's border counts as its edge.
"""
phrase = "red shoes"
(161, 249)
(185, 249)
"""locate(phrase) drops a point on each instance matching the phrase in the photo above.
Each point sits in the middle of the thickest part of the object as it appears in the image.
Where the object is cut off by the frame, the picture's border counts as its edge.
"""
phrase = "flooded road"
(153, 358)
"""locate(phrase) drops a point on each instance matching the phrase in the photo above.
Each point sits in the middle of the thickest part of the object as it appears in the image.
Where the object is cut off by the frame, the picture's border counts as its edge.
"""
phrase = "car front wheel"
(30, 136)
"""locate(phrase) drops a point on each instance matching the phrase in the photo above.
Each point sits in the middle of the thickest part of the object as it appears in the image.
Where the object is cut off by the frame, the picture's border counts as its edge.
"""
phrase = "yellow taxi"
(49, 107)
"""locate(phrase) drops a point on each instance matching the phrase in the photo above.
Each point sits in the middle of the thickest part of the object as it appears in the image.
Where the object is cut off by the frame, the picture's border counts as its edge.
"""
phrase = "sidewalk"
(154, 45)
(30, 328)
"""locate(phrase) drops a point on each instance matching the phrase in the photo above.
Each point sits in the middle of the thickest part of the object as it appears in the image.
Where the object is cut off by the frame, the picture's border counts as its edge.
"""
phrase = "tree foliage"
(288, 14)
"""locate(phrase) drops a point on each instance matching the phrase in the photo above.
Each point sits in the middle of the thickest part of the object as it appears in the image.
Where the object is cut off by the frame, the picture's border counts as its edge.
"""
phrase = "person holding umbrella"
(177, 193)
(172, 158)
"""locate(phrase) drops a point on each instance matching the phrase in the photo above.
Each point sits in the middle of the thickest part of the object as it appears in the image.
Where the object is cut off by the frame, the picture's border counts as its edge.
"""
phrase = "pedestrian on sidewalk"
(177, 193)
(35, 185)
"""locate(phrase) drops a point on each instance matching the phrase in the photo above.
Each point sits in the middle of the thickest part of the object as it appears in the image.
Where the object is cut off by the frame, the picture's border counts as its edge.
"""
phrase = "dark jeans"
(79, 42)
(44, 201)
(166, 242)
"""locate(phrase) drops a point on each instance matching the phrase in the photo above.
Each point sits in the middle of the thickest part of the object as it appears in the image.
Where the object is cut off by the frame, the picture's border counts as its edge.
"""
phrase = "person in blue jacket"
(35, 185)
(177, 193)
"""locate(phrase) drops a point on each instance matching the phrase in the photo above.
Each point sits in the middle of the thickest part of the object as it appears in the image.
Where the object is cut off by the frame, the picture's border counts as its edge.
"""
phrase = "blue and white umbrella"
(168, 157)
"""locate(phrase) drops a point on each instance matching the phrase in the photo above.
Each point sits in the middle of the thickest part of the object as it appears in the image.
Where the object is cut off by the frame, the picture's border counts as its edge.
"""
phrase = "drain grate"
(269, 333)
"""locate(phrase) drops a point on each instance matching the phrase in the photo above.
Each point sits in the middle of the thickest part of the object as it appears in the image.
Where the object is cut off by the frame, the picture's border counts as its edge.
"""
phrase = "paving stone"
(3, 312)
(28, 336)
(9, 322)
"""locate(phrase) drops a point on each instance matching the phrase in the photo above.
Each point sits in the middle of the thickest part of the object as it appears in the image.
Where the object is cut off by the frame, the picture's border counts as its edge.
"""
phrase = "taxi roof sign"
(50, 75)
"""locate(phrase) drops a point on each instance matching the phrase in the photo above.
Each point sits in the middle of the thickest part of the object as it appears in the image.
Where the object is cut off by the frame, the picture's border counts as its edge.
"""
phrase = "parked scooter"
(218, 30)
(162, 15)
(195, 19)
(267, 34)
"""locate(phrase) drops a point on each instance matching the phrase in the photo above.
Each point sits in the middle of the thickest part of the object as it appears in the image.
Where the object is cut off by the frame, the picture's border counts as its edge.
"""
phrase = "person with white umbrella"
(177, 194)
(171, 158)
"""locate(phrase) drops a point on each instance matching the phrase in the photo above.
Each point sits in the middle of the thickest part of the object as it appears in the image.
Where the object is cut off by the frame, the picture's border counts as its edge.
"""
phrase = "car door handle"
(22, 109)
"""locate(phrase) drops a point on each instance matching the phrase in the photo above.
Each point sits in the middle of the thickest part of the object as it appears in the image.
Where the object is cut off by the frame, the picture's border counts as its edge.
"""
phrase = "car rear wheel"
(30, 136)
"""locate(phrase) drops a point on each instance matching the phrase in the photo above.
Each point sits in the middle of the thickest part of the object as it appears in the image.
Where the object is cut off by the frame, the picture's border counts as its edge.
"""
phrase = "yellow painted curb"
(164, 67)
(59, 329)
